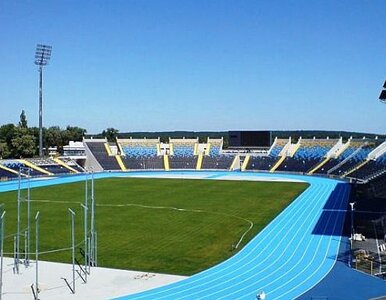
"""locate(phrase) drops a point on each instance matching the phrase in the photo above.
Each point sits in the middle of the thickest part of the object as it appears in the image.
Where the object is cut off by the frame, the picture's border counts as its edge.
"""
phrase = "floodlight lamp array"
(382, 96)
(42, 54)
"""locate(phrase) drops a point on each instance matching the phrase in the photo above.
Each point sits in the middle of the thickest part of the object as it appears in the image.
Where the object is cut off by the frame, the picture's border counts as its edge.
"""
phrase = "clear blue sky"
(149, 65)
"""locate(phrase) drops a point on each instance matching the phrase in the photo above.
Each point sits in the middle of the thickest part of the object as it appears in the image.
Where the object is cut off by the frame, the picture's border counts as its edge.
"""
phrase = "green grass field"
(139, 230)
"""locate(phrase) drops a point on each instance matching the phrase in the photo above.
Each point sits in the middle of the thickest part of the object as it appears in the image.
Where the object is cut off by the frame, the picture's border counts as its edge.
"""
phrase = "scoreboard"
(261, 139)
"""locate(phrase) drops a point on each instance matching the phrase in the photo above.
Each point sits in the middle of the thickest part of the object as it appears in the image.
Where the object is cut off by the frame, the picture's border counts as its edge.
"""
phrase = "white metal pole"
(89, 251)
(1, 253)
(25, 248)
(28, 217)
(96, 249)
(86, 191)
(92, 254)
(72, 213)
(85, 240)
(37, 253)
(18, 223)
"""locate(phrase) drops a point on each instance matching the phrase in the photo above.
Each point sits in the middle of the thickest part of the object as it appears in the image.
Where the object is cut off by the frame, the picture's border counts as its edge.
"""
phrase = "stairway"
(278, 163)
(199, 162)
(63, 164)
(166, 163)
(319, 166)
(35, 167)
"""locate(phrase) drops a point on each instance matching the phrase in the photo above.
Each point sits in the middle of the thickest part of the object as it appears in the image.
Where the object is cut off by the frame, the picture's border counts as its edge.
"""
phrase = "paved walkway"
(103, 283)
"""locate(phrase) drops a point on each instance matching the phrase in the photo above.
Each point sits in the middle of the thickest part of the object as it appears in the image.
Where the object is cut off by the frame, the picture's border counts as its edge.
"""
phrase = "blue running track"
(286, 259)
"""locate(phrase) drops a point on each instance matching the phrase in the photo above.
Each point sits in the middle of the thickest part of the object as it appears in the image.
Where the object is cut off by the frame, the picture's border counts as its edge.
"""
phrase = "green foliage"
(23, 120)
(4, 151)
(23, 143)
(110, 134)
(138, 229)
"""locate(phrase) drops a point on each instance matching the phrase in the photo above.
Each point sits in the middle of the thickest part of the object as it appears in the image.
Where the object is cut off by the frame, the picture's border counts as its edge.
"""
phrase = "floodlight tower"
(42, 56)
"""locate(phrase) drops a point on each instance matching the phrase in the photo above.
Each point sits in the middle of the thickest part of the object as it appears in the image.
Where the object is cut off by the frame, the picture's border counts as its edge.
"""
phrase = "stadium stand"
(350, 147)
(49, 165)
(214, 159)
(35, 167)
(354, 155)
(140, 154)
(266, 162)
(71, 164)
(97, 148)
(15, 165)
(183, 153)
(309, 154)
(372, 169)
(6, 172)
(378, 186)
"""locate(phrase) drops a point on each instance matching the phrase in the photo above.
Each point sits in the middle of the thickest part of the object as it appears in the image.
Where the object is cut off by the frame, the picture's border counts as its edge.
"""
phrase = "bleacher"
(378, 186)
(266, 162)
(182, 153)
(360, 159)
(334, 162)
(140, 154)
(353, 156)
(5, 174)
(49, 165)
(98, 150)
(72, 164)
(309, 154)
(372, 169)
(16, 165)
(216, 160)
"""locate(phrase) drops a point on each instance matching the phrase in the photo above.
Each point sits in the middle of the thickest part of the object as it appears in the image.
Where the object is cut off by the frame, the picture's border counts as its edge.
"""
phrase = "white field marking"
(43, 178)
(277, 223)
(168, 176)
(259, 178)
(186, 210)
(320, 265)
(288, 244)
(208, 177)
(160, 207)
(56, 201)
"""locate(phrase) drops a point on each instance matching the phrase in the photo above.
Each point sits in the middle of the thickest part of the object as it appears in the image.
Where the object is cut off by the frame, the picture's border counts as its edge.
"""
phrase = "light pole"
(42, 56)
(352, 231)
(352, 219)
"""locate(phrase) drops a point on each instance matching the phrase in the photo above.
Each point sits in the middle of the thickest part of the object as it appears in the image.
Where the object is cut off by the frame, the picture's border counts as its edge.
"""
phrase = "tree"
(23, 144)
(110, 134)
(53, 137)
(23, 120)
(7, 133)
(73, 134)
(4, 150)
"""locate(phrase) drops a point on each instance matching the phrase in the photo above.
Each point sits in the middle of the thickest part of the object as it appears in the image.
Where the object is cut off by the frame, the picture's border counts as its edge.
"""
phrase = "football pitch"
(175, 226)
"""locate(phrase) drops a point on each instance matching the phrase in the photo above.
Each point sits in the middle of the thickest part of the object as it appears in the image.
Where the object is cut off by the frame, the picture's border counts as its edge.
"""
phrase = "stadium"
(192, 150)
(300, 252)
